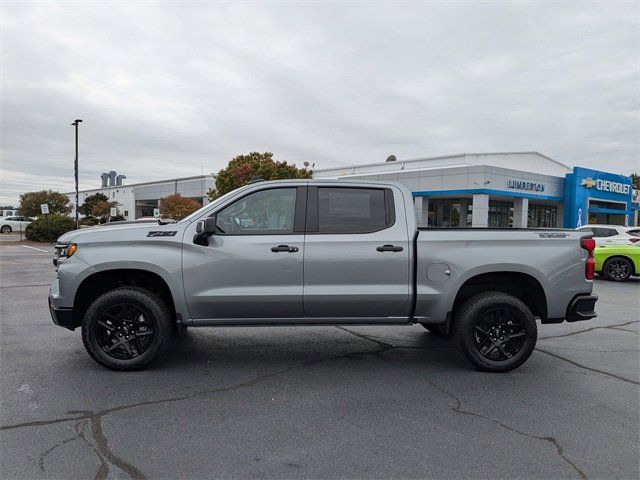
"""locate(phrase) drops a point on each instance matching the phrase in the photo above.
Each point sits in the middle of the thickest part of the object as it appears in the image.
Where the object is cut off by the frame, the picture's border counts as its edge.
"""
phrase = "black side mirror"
(204, 229)
(206, 226)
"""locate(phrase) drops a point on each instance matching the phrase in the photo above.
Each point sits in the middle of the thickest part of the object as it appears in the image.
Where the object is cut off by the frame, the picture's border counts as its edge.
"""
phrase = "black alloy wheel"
(499, 333)
(127, 328)
(496, 331)
(617, 269)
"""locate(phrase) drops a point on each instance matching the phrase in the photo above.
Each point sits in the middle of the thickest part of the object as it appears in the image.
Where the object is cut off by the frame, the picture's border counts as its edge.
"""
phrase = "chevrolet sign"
(607, 186)
(588, 183)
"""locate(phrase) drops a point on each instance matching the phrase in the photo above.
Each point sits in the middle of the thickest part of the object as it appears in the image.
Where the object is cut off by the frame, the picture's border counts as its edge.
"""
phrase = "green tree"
(90, 202)
(243, 168)
(635, 180)
(178, 207)
(30, 203)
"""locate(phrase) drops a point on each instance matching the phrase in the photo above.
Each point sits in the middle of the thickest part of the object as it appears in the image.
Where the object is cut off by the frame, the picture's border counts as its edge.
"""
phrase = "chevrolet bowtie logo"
(588, 182)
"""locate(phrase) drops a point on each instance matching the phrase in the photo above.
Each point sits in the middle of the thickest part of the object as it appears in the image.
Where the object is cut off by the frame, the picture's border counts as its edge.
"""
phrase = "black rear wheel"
(126, 328)
(496, 331)
(617, 269)
(5, 229)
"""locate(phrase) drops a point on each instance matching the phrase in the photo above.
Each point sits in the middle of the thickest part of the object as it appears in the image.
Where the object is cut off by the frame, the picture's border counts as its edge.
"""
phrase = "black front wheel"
(126, 328)
(617, 269)
(5, 229)
(496, 331)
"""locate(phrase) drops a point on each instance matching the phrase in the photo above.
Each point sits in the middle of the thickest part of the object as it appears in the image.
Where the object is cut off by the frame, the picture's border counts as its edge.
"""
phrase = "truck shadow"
(245, 348)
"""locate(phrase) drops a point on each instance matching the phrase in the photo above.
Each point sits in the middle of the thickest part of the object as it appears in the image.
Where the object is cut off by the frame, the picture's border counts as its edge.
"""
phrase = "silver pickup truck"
(315, 252)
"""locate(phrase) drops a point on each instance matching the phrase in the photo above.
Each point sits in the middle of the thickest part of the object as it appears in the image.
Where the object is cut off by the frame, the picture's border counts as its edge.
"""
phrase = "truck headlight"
(65, 250)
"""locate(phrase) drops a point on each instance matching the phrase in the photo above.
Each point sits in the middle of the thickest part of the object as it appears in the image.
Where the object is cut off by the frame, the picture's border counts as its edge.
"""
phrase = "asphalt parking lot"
(354, 402)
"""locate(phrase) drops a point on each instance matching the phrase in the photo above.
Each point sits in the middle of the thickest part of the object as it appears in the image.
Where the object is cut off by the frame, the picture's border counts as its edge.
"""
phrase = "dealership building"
(140, 199)
(509, 189)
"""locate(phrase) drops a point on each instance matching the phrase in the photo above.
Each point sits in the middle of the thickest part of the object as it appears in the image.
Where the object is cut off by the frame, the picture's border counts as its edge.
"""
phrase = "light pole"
(75, 169)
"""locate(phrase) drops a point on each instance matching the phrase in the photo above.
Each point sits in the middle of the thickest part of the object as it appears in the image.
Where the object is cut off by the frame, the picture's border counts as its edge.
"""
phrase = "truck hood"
(122, 233)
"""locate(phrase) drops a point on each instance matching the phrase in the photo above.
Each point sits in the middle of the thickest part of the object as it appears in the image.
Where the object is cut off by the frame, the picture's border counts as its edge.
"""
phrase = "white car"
(612, 234)
(14, 224)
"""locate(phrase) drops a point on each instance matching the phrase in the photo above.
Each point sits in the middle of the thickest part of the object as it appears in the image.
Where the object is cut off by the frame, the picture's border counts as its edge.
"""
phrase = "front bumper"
(582, 307)
(63, 317)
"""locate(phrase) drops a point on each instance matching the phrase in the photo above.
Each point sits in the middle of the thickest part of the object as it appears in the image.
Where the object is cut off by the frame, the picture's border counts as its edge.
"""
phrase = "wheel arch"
(103, 281)
(521, 285)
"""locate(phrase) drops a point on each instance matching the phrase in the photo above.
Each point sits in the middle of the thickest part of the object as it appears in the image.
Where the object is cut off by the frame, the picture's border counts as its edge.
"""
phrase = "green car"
(618, 262)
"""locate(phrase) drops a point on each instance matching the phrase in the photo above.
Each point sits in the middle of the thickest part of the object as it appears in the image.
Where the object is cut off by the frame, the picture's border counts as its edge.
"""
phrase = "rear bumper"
(582, 307)
(63, 317)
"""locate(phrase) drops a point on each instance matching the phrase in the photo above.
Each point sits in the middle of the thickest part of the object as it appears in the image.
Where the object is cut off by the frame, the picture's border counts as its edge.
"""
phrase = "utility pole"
(75, 169)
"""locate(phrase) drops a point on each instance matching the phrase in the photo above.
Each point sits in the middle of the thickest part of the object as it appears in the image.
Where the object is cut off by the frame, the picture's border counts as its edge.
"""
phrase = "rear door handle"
(284, 248)
(389, 248)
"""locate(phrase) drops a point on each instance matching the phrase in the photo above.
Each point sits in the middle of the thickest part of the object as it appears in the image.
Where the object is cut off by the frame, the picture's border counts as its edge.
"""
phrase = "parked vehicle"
(318, 252)
(14, 224)
(612, 234)
(618, 262)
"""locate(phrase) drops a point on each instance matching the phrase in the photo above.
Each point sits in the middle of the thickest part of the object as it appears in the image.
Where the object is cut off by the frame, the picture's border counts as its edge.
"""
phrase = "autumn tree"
(177, 206)
(90, 202)
(243, 168)
(30, 203)
(102, 210)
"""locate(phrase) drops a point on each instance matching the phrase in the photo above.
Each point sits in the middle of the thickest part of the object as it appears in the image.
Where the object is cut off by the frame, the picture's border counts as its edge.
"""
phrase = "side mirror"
(204, 229)
(206, 226)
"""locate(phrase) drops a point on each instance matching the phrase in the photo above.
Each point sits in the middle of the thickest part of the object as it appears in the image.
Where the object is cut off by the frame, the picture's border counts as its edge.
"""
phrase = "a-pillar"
(480, 215)
(520, 212)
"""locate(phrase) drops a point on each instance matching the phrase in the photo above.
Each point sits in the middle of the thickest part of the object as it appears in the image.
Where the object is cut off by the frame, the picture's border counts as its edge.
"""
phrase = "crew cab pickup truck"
(318, 252)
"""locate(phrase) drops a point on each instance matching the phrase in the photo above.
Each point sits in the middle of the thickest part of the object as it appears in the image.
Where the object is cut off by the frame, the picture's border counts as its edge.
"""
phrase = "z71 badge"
(165, 233)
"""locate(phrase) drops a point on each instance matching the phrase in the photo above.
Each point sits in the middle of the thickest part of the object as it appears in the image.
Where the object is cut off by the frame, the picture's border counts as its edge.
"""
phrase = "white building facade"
(140, 199)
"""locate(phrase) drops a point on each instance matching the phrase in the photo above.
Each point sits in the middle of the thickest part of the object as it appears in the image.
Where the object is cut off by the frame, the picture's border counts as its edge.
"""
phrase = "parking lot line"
(34, 248)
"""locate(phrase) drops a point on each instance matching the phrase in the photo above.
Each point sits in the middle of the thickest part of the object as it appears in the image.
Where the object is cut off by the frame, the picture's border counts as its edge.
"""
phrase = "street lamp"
(75, 169)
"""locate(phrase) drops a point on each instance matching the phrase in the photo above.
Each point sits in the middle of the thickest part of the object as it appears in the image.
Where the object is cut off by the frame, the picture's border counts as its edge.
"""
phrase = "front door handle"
(284, 248)
(389, 248)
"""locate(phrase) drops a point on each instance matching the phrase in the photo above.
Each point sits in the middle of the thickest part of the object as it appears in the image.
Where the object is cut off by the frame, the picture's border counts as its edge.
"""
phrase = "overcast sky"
(172, 89)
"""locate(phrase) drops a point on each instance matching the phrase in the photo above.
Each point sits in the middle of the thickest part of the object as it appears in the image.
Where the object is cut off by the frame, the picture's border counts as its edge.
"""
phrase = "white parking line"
(34, 248)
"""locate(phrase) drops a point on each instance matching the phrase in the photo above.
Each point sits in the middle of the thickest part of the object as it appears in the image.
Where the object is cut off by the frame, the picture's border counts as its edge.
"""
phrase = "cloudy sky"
(172, 89)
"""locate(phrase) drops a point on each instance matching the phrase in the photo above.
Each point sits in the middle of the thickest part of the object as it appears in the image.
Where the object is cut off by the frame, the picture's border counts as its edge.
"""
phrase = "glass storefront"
(542, 216)
(500, 214)
(450, 212)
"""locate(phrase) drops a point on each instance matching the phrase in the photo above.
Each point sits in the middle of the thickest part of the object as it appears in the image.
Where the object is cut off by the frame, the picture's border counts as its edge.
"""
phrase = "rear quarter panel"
(556, 263)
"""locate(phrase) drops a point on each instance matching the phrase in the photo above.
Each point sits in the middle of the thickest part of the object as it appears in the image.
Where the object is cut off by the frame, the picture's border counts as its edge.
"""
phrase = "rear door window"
(354, 210)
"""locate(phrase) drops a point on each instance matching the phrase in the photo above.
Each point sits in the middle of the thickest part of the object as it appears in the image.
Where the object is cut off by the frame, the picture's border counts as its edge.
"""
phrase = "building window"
(126, 213)
(542, 216)
(450, 212)
(500, 214)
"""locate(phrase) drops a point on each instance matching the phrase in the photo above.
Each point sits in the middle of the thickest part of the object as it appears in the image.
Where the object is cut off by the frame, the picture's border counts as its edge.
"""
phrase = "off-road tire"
(483, 305)
(154, 307)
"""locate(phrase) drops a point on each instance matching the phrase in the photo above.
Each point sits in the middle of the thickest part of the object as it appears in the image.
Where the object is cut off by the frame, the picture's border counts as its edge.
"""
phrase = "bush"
(49, 227)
